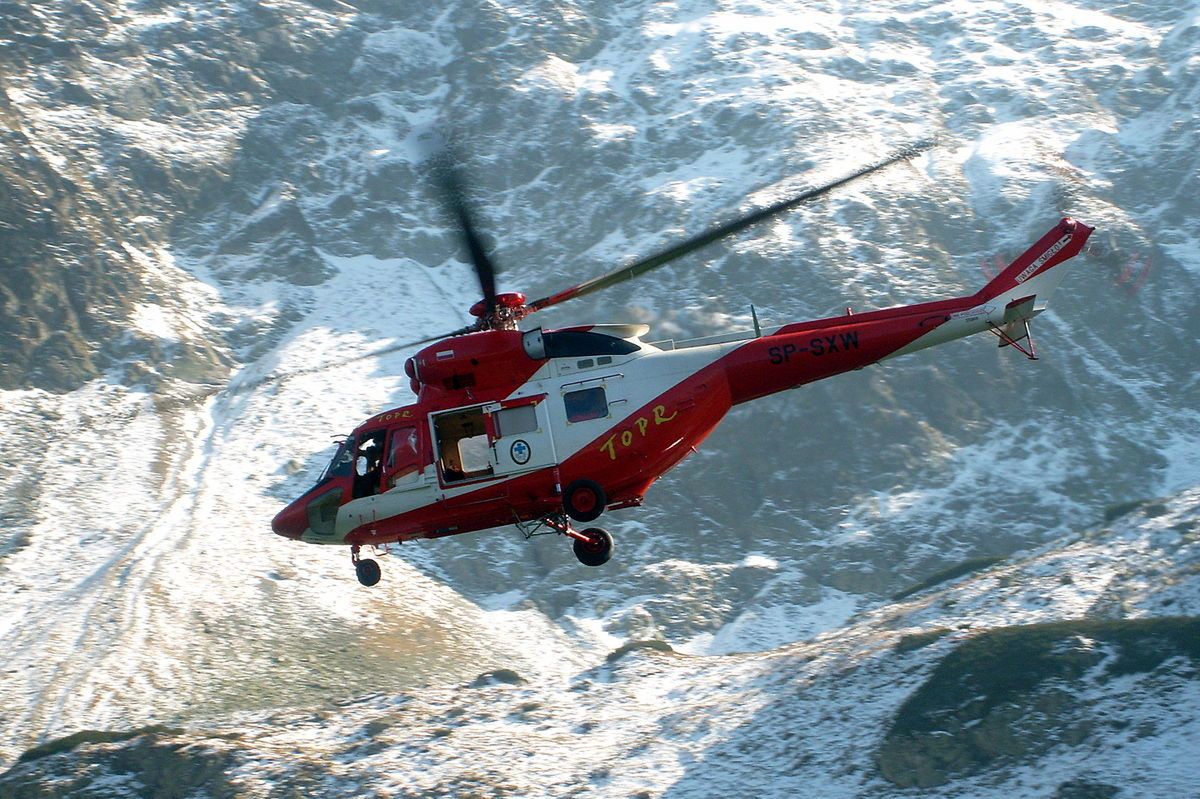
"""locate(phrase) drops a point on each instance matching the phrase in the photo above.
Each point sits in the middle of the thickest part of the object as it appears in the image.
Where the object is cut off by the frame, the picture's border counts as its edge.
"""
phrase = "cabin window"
(462, 445)
(403, 465)
(588, 403)
(515, 421)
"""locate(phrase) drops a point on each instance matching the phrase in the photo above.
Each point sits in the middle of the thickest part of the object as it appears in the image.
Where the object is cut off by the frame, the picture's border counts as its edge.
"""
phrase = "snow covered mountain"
(198, 194)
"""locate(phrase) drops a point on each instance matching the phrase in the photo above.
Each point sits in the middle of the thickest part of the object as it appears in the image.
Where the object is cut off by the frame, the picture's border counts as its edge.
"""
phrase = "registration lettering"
(820, 345)
(1054, 250)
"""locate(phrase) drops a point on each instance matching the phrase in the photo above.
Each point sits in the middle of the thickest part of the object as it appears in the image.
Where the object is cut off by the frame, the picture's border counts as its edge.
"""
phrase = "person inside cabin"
(367, 465)
(452, 468)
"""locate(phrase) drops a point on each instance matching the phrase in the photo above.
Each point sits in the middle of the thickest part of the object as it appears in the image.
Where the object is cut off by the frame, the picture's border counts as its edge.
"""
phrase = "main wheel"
(597, 550)
(368, 572)
(584, 500)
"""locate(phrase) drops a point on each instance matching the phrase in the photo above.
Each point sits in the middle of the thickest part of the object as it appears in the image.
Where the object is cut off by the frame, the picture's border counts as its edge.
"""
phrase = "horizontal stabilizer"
(1015, 326)
(1020, 309)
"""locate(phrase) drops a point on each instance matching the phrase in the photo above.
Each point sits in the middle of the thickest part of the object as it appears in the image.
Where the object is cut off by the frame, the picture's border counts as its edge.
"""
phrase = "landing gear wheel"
(368, 572)
(597, 550)
(584, 500)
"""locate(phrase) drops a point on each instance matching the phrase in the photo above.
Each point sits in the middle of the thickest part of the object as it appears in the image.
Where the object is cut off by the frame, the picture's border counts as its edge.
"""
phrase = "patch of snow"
(767, 627)
(152, 319)
(1182, 452)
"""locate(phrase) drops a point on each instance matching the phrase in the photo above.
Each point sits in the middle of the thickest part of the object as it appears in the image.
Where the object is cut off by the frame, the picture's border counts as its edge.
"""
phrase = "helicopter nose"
(291, 522)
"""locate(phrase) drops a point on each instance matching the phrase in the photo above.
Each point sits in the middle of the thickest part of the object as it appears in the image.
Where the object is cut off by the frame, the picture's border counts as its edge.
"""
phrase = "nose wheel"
(367, 570)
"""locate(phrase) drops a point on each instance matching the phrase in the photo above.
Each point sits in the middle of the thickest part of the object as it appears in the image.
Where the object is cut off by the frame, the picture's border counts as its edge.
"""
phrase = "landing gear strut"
(368, 571)
(593, 546)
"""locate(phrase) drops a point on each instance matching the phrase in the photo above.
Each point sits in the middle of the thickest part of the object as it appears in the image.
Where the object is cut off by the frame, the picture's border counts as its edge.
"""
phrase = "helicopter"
(543, 429)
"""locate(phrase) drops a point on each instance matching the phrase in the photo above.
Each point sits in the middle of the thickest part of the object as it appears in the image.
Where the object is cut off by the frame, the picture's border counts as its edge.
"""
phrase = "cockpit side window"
(368, 464)
(342, 463)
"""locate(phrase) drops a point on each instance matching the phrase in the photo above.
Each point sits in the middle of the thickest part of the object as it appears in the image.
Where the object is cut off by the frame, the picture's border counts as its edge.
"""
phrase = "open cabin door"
(480, 448)
(520, 435)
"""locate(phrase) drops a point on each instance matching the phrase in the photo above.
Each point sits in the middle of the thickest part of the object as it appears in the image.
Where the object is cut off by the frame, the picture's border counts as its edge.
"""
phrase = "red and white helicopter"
(544, 427)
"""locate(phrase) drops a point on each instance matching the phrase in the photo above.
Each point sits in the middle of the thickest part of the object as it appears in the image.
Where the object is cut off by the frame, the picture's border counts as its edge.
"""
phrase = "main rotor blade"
(276, 377)
(485, 270)
(649, 263)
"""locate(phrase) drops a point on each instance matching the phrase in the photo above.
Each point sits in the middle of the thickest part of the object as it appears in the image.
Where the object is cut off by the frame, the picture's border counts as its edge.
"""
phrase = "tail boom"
(1020, 292)
(801, 353)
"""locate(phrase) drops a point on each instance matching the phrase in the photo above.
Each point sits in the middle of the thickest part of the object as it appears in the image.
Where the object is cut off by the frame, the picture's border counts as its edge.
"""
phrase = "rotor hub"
(509, 309)
(509, 300)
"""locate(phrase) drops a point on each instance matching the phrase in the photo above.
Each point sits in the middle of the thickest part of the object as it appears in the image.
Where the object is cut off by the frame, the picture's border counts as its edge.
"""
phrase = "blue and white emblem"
(520, 452)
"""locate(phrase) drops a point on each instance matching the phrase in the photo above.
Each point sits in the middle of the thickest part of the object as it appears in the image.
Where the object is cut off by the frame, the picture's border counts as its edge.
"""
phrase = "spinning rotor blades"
(663, 257)
(485, 270)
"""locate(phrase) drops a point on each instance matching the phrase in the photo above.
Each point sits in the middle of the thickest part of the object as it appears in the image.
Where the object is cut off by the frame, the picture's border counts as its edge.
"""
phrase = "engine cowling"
(485, 360)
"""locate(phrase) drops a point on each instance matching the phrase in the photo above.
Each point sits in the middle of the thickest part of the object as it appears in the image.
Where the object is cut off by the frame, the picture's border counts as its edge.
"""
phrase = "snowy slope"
(807, 718)
(141, 583)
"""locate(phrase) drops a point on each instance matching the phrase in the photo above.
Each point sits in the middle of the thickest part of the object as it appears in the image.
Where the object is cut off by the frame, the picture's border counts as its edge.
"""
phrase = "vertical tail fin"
(1024, 287)
(1033, 273)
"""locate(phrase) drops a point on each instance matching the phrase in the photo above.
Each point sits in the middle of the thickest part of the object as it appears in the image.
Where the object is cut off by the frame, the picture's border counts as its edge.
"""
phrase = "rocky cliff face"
(1014, 694)
(123, 122)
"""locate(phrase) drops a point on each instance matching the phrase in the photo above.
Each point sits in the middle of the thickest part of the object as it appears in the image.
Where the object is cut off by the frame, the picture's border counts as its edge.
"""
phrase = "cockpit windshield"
(342, 463)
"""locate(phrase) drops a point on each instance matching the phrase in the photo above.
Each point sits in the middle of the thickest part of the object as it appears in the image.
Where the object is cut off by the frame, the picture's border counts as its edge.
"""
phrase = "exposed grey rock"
(1013, 694)
(153, 761)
